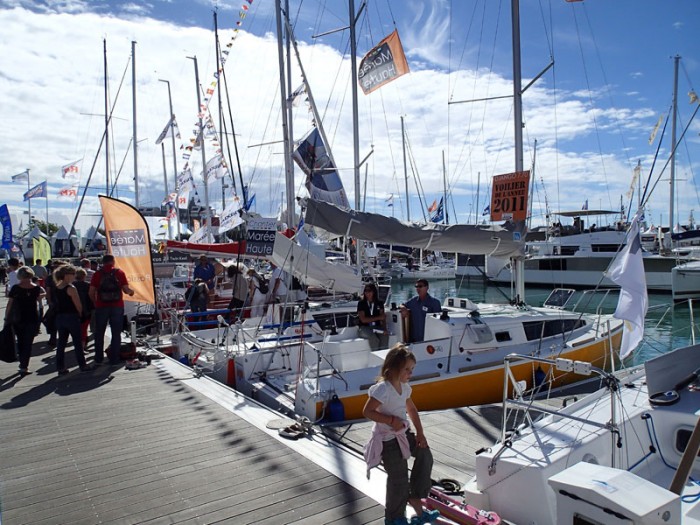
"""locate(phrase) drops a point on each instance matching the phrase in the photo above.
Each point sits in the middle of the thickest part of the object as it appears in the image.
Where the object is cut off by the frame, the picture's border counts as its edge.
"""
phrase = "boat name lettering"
(260, 236)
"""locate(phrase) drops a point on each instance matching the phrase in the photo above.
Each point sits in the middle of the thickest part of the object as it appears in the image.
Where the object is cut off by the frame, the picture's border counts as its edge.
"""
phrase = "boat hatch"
(559, 298)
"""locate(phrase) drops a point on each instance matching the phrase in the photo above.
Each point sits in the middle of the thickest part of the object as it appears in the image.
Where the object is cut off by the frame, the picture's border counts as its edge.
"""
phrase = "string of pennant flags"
(216, 167)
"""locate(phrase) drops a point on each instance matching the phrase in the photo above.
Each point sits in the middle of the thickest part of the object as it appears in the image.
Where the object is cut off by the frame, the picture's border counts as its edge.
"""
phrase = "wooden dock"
(159, 445)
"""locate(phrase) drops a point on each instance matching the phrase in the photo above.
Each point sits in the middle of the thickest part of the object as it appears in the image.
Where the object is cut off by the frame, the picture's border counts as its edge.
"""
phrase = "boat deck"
(158, 445)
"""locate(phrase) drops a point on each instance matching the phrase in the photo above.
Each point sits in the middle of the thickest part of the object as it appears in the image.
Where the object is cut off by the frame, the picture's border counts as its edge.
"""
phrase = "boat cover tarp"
(313, 270)
(499, 241)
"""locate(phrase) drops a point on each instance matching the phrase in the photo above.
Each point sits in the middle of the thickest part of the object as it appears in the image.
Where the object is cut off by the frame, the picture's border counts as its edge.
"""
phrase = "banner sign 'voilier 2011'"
(384, 63)
(509, 196)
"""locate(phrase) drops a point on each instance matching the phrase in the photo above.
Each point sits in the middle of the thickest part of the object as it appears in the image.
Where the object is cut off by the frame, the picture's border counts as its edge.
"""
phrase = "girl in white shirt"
(388, 404)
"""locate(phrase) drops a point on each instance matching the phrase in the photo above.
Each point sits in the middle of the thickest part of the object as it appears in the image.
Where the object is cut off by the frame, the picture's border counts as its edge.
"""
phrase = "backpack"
(109, 290)
(263, 285)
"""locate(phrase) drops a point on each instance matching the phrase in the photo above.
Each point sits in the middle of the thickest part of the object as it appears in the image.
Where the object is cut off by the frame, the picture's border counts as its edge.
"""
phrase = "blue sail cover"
(322, 179)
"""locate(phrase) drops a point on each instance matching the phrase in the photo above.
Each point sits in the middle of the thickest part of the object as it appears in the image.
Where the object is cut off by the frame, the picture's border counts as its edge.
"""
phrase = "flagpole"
(47, 214)
(29, 202)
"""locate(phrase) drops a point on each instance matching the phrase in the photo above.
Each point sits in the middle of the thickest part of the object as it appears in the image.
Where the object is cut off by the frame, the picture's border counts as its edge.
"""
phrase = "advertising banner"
(128, 240)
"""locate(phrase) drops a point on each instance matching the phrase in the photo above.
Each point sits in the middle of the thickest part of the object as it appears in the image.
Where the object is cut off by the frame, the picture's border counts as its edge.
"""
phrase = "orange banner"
(128, 240)
(385, 62)
(509, 196)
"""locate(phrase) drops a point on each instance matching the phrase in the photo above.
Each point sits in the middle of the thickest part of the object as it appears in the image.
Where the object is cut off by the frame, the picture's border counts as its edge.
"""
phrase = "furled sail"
(500, 241)
(313, 270)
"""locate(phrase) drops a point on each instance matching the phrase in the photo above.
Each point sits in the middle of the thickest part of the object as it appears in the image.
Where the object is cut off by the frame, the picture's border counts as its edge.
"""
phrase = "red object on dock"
(458, 511)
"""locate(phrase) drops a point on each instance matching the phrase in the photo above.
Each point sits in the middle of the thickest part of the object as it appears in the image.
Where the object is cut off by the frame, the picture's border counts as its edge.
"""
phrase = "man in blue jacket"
(417, 308)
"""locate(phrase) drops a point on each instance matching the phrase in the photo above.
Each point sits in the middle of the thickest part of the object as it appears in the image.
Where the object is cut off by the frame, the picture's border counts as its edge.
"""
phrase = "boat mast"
(446, 219)
(518, 129)
(104, 52)
(355, 124)
(288, 168)
(290, 186)
(172, 138)
(671, 221)
(532, 183)
(405, 169)
(133, 96)
(217, 52)
(200, 139)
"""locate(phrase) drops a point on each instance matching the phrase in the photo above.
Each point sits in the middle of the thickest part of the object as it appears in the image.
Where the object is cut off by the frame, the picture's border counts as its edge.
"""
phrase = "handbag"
(7, 345)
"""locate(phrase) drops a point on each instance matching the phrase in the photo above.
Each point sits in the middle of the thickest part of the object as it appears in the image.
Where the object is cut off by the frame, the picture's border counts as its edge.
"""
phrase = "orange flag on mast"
(385, 62)
(129, 241)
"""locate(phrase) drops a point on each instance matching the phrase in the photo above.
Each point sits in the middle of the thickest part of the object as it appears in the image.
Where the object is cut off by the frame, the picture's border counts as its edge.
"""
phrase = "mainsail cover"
(313, 270)
(499, 241)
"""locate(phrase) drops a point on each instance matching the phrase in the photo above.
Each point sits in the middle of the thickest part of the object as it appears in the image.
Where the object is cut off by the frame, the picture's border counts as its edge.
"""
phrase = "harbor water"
(668, 325)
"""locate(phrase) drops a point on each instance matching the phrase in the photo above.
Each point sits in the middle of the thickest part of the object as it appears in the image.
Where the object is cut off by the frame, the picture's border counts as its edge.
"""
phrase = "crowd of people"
(75, 298)
(251, 293)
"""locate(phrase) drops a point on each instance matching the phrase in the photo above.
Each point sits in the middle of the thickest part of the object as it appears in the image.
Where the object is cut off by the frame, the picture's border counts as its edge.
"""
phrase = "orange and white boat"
(460, 362)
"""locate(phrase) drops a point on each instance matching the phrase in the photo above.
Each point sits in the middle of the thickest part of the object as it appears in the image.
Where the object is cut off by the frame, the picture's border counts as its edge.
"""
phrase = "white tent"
(63, 244)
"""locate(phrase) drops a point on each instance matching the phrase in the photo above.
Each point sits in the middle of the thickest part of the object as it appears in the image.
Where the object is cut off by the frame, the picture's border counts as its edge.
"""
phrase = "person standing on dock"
(393, 442)
(82, 284)
(12, 267)
(106, 292)
(69, 310)
(417, 308)
(22, 313)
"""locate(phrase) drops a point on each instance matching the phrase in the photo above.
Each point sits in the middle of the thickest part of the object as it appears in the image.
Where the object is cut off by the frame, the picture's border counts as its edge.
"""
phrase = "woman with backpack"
(257, 293)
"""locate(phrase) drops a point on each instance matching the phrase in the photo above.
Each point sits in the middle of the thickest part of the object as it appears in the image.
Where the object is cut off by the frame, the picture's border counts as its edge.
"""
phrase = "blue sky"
(591, 115)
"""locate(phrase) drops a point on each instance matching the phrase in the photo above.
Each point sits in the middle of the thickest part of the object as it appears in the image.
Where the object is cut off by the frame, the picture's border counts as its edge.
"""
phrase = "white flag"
(185, 183)
(167, 131)
(69, 192)
(215, 168)
(627, 271)
(71, 171)
(230, 218)
(200, 235)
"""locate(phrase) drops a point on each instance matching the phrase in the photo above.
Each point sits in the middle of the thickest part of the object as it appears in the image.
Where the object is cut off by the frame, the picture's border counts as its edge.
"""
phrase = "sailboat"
(319, 360)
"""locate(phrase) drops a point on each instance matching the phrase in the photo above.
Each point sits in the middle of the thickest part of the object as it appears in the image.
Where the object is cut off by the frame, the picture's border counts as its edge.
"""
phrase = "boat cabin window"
(682, 439)
(536, 329)
(502, 337)
(569, 250)
(335, 320)
(613, 248)
(552, 264)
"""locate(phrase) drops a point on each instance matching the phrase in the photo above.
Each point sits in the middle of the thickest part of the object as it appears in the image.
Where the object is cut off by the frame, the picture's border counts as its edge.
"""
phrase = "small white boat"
(627, 453)
(685, 279)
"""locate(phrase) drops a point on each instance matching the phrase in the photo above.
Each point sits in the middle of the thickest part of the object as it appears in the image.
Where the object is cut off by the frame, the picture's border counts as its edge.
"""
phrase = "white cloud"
(54, 81)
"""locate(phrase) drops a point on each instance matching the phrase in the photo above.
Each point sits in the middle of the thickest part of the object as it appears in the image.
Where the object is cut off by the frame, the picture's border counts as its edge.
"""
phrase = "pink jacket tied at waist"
(373, 447)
